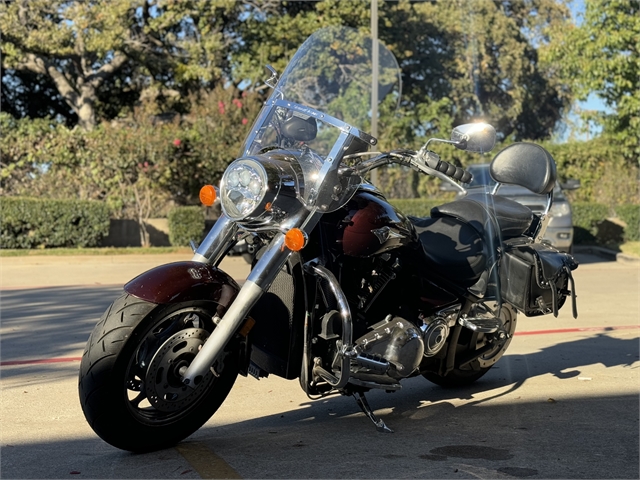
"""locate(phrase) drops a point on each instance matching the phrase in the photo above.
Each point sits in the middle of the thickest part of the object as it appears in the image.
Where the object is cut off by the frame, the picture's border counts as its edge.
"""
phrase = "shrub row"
(416, 207)
(591, 224)
(630, 215)
(185, 224)
(40, 223)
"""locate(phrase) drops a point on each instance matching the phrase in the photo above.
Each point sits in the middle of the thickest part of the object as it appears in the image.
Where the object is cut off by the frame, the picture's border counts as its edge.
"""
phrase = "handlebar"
(432, 160)
(427, 163)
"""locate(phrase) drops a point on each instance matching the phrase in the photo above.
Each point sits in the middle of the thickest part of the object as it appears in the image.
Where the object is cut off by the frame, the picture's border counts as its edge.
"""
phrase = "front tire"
(130, 385)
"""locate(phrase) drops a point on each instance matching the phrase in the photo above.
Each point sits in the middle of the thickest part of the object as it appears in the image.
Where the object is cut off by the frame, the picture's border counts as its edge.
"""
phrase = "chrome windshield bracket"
(272, 81)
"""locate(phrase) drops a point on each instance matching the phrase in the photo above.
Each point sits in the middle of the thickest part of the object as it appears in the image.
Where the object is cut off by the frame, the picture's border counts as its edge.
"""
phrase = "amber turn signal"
(295, 239)
(208, 195)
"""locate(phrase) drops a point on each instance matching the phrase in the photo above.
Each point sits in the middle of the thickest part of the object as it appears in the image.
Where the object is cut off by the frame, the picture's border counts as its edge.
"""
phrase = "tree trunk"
(85, 108)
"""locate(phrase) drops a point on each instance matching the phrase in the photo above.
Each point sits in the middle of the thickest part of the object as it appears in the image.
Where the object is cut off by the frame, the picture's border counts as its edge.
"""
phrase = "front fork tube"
(259, 280)
(214, 245)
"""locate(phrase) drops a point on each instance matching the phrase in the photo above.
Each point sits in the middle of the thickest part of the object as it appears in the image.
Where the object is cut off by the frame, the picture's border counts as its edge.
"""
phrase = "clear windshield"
(321, 109)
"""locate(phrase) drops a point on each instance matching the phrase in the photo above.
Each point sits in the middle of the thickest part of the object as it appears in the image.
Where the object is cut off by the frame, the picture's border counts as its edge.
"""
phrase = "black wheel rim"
(153, 388)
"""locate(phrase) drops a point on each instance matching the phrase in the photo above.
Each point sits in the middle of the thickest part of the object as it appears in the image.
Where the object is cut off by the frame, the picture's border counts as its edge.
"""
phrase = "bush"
(416, 207)
(630, 214)
(39, 223)
(586, 219)
(185, 224)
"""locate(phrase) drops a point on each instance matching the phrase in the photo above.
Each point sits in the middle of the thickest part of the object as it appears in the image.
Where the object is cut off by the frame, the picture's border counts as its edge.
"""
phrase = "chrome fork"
(258, 282)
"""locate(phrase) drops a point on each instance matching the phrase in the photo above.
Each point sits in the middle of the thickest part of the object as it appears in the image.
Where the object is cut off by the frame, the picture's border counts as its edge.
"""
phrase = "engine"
(394, 343)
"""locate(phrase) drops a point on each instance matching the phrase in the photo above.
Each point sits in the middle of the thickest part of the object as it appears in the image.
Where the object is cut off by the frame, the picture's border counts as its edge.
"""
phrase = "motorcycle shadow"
(420, 400)
(532, 410)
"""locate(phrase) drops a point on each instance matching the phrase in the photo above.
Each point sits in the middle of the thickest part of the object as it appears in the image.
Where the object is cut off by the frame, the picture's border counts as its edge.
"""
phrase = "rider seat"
(461, 237)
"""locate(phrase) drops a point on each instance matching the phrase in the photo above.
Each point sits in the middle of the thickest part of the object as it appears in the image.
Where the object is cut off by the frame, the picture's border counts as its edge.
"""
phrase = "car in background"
(560, 228)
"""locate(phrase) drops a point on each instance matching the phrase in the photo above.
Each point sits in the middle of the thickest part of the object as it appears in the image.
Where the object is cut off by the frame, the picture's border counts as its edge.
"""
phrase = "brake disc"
(164, 387)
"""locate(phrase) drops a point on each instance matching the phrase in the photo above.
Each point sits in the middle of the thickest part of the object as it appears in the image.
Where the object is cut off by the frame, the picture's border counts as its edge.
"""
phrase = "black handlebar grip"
(448, 169)
(466, 177)
(442, 167)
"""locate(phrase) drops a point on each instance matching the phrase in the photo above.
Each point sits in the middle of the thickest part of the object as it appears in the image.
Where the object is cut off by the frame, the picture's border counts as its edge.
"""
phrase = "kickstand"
(364, 406)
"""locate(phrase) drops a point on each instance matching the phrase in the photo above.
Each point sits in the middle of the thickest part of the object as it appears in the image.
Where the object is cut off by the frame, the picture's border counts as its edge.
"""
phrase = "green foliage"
(39, 223)
(602, 56)
(630, 215)
(605, 176)
(136, 165)
(586, 219)
(158, 48)
(185, 224)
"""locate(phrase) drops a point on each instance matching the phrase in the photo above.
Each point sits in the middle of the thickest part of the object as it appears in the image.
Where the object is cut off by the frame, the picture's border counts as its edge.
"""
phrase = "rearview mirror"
(570, 184)
(474, 137)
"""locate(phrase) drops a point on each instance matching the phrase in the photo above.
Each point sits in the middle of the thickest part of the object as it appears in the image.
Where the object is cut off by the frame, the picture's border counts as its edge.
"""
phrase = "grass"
(93, 251)
(630, 248)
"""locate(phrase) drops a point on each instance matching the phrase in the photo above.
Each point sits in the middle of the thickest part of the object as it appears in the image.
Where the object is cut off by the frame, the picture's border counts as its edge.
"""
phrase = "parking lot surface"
(562, 403)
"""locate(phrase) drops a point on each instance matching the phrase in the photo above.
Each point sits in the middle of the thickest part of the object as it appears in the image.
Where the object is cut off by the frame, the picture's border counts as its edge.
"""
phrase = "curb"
(606, 253)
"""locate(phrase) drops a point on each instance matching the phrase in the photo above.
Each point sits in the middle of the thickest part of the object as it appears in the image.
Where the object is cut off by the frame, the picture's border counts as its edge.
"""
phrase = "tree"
(32, 95)
(81, 45)
(77, 46)
(602, 56)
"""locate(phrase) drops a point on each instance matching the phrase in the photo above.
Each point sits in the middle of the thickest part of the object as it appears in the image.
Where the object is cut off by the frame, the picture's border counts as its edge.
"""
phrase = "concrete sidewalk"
(55, 271)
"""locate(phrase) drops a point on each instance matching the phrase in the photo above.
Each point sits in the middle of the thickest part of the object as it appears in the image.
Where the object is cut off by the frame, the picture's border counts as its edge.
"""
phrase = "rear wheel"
(495, 343)
(130, 376)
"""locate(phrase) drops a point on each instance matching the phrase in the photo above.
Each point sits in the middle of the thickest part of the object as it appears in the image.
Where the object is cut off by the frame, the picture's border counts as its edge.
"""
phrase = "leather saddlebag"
(536, 278)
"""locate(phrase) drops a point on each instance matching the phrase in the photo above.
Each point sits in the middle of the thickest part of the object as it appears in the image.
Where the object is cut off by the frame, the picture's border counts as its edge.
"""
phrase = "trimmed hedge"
(416, 207)
(185, 224)
(586, 219)
(42, 223)
(630, 214)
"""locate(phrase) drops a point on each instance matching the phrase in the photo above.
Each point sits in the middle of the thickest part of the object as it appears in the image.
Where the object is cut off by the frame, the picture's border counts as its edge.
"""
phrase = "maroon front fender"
(184, 281)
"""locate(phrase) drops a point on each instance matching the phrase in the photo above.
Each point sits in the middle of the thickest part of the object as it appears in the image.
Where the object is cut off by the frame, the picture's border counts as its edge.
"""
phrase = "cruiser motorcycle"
(345, 293)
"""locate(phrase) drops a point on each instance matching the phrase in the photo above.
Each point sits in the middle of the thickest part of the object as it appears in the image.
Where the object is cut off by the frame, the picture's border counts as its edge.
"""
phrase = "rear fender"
(183, 282)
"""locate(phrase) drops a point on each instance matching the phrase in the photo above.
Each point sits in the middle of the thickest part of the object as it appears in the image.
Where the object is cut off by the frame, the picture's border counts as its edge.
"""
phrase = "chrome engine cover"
(396, 341)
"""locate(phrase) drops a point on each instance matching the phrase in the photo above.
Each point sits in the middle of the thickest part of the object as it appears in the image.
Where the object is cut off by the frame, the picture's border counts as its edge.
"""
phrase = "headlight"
(243, 187)
(560, 209)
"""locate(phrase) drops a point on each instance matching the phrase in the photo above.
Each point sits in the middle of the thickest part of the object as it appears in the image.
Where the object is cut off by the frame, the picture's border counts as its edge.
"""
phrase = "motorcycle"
(345, 293)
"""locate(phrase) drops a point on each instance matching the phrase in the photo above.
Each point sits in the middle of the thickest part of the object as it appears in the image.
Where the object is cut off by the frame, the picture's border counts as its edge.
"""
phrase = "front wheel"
(494, 344)
(130, 384)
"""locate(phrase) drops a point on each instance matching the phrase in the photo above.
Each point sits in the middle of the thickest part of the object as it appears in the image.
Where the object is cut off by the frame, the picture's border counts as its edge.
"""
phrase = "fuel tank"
(368, 225)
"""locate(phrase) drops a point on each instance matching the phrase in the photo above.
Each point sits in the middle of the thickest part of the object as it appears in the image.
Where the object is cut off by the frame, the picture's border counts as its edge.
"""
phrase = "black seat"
(498, 218)
(453, 249)
(460, 239)
(494, 217)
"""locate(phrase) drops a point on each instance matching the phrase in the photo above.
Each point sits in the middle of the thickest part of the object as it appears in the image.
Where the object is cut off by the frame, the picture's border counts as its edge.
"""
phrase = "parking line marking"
(205, 461)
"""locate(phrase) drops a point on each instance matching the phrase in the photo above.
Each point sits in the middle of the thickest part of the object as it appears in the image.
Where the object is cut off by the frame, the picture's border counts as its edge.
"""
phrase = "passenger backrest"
(525, 164)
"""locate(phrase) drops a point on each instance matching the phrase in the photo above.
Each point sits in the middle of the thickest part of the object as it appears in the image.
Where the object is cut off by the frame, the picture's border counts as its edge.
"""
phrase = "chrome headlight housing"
(243, 189)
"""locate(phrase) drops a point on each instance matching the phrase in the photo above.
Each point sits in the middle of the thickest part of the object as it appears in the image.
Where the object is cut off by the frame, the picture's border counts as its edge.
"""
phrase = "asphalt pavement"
(562, 403)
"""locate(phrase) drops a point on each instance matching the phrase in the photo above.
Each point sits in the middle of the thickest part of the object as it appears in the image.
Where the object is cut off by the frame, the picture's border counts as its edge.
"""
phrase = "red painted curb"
(578, 329)
(43, 360)
(531, 332)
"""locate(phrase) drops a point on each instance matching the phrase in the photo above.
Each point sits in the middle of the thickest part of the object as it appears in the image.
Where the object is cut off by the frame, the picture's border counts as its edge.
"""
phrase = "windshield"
(321, 109)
